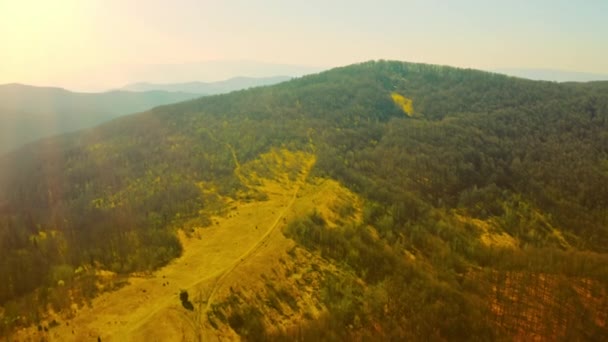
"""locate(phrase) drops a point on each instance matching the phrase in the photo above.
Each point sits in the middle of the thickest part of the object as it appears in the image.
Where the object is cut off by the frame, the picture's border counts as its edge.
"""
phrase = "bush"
(186, 303)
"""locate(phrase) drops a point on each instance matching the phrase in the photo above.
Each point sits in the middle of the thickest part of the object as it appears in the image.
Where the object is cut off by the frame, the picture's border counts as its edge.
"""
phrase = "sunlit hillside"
(379, 201)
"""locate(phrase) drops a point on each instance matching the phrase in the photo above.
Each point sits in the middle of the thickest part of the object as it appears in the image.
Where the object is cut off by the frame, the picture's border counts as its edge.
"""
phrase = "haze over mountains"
(28, 113)
(552, 75)
(102, 78)
(379, 201)
(213, 71)
(208, 88)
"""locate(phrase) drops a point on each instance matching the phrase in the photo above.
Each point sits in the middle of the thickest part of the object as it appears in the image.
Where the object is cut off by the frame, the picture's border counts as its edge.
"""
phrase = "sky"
(97, 44)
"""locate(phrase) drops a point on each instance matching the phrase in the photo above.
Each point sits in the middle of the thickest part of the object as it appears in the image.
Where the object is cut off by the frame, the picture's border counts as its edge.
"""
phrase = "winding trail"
(258, 244)
(225, 273)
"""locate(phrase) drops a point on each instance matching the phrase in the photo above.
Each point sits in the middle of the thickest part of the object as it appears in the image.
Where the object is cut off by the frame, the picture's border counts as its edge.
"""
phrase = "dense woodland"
(529, 157)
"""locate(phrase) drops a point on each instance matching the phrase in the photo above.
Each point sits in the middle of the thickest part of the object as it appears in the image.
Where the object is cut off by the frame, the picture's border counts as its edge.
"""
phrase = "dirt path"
(253, 248)
(243, 257)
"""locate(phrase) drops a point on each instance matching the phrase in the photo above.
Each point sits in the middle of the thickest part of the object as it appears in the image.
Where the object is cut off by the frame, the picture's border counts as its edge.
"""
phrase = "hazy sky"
(87, 44)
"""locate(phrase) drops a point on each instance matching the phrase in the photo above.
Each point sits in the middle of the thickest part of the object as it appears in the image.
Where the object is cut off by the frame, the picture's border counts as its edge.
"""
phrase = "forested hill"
(436, 152)
(28, 113)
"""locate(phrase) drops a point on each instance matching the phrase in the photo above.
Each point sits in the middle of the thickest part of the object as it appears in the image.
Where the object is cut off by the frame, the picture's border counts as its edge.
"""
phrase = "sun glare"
(32, 29)
(29, 17)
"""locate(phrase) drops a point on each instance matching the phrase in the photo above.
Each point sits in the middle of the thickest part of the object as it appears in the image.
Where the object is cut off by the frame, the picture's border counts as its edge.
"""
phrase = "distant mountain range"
(208, 88)
(552, 75)
(28, 113)
(109, 77)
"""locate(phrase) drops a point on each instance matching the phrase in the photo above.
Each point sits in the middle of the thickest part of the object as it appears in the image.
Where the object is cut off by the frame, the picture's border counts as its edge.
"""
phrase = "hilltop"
(418, 201)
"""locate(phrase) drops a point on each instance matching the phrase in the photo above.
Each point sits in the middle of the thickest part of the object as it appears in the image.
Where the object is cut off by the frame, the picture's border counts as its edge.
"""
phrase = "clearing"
(149, 309)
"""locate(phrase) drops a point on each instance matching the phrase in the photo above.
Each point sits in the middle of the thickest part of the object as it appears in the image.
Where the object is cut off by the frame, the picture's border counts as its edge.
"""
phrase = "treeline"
(403, 298)
(434, 278)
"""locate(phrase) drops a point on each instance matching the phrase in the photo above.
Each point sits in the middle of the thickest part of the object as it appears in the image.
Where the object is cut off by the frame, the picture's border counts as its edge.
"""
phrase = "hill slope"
(209, 88)
(28, 113)
(471, 186)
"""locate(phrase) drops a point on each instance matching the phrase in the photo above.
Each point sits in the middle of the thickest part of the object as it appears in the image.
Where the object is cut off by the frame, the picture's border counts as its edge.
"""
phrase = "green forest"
(527, 158)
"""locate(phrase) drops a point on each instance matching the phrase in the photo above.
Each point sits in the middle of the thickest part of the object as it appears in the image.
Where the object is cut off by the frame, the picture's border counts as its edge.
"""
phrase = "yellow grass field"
(244, 243)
